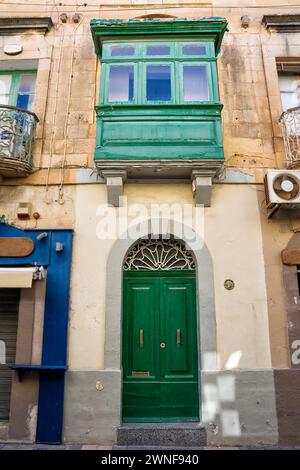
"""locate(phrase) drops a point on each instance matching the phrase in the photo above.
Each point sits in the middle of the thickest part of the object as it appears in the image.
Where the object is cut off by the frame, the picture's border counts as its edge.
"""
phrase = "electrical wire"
(60, 199)
(54, 117)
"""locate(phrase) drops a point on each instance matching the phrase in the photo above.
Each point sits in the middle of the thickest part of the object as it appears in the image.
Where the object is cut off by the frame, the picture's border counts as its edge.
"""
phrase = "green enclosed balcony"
(159, 114)
(17, 132)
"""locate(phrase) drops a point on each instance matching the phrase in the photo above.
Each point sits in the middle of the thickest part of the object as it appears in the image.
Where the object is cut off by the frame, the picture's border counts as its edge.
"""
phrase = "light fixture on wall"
(245, 21)
(76, 18)
(63, 17)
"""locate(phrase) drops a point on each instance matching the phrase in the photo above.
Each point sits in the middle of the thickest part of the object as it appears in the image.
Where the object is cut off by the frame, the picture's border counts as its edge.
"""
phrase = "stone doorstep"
(183, 435)
(202, 448)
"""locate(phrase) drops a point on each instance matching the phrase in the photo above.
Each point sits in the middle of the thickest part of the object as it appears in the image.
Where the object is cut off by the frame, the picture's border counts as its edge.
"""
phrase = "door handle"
(178, 337)
(141, 338)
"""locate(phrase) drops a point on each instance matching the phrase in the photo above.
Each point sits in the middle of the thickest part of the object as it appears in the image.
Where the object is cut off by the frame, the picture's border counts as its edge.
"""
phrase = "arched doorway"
(159, 333)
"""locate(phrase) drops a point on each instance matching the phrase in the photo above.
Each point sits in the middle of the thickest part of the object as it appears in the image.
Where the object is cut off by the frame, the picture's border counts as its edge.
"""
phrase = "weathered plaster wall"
(276, 233)
(244, 245)
(235, 245)
(68, 81)
(52, 214)
(232, 233)
(239, 407)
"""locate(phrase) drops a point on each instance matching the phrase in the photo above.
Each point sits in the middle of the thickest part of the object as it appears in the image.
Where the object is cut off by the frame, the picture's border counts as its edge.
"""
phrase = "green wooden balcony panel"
(159, 133)
(145, 131)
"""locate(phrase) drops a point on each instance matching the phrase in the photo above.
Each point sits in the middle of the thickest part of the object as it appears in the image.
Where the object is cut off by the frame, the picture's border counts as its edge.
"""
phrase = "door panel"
(179, 392)
(178, 328)
(141, 400)
(141, 366)
(140, 306)
(160, 370)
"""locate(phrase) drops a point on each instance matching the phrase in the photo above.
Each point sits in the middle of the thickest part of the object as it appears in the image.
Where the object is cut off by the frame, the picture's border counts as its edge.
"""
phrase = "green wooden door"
(160, 367)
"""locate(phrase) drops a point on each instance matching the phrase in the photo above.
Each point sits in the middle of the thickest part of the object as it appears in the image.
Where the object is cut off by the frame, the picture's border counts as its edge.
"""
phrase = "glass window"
(5, 84)
(194, 49)
(158, 82)
(121, 83)
(154, 50)
(17, 89)
(195, 83)
(158, 71)
(25, 95)
(289, 90)
(122, 51)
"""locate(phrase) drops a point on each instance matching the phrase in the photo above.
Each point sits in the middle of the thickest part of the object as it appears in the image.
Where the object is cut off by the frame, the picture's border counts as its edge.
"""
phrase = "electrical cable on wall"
(60, 199)
(47, 200)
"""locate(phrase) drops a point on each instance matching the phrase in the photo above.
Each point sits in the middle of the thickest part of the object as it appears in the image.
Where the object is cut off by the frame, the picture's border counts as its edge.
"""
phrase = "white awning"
(16, 277)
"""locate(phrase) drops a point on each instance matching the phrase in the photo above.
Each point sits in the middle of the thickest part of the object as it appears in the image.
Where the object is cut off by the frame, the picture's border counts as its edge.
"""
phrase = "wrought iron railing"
(17, 132)
(290, 125)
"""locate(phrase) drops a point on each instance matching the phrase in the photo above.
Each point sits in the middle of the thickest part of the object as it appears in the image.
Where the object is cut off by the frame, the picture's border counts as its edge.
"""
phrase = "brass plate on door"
(140, 374)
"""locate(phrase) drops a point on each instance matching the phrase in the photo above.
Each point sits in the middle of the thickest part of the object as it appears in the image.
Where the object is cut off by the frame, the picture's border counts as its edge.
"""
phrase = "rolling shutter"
(9, 306)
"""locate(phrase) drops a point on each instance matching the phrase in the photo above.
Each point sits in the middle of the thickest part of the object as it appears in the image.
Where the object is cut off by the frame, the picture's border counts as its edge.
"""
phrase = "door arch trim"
(207, 344)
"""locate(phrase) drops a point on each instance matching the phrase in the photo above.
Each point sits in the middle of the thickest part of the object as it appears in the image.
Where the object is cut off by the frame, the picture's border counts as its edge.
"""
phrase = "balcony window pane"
(121, 51)
(194, 49)
(158, 83)
(158, 50)
(25, 94)
(121, 80)
(25, 102)
(27, 83)
(5, 83)
(289, 91)
(195, 83)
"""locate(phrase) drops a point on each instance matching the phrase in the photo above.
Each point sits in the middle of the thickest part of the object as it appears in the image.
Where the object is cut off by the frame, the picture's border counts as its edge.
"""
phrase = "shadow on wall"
(239, 405)
(223, 391)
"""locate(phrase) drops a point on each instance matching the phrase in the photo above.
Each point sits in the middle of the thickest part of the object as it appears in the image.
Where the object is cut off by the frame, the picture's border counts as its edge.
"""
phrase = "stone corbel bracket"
(115, 180)
(202, 186)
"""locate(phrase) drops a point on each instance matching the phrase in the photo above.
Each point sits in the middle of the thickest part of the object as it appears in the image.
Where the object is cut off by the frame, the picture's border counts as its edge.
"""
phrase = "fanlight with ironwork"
(160, 254)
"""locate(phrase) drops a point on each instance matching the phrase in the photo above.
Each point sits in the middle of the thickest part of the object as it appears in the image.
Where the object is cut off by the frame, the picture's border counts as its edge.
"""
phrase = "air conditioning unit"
(282, 188)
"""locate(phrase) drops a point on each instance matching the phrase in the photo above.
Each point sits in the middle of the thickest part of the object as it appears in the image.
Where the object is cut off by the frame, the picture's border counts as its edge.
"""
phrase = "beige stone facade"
(244, 245)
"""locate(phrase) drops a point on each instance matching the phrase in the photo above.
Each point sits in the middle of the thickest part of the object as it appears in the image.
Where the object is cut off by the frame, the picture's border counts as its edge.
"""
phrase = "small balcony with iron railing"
(290, 127)
(17, 133)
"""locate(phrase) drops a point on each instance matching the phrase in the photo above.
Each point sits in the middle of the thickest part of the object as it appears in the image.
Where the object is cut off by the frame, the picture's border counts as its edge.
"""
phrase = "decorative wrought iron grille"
(160, 254)
(290, 125)
(17, 131)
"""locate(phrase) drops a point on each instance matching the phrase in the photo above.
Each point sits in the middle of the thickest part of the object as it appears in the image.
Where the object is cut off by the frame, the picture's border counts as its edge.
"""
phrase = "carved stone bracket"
(114, 183)
(202, 186)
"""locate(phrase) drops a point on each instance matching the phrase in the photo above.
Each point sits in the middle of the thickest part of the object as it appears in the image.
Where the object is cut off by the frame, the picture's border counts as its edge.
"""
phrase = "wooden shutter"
(9, 306)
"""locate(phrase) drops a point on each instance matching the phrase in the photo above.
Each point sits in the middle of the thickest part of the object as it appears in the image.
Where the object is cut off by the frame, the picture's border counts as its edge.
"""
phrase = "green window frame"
(139, 58)
(106, 90)
(14, 90)
(143, 75)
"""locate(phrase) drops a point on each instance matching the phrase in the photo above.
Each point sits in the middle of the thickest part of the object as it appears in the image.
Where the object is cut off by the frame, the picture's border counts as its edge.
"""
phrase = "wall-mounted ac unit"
(282, 188)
